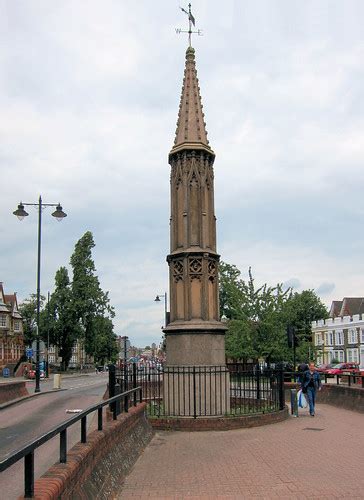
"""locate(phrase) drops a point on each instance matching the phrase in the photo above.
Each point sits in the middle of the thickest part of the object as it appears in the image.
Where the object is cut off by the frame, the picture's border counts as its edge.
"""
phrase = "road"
(25, 421)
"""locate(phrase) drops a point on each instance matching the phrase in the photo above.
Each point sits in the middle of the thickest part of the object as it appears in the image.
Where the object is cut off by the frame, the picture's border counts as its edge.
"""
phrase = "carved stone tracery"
(212, 270)
(195, 268)
(177, 269)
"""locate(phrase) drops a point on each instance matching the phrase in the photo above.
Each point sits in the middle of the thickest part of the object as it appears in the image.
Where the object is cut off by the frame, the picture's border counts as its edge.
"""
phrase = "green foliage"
(28, 311)
(90, 302)
(78, 310)
(258, 317)
(59, 317)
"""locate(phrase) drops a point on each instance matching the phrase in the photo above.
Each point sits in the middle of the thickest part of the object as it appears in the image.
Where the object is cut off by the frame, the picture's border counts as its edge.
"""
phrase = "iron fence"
(202, 391)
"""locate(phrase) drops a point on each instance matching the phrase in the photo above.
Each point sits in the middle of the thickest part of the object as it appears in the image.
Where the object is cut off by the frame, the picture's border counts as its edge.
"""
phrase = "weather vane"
(191, 21)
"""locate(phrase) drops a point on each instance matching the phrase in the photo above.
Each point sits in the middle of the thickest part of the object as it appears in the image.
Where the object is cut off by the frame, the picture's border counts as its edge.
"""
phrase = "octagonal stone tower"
(195, 334)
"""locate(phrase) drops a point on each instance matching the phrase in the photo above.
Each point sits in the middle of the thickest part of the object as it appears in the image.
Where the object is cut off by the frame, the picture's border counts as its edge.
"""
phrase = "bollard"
(57, 381)
(294, 403)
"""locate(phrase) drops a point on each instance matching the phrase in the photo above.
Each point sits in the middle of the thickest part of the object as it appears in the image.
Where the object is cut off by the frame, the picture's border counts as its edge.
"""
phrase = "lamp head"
(58, 213)
(20, 212)
(157, 299)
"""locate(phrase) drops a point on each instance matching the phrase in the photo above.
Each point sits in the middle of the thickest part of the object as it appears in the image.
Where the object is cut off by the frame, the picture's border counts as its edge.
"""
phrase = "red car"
(344, 369)
(31, 374)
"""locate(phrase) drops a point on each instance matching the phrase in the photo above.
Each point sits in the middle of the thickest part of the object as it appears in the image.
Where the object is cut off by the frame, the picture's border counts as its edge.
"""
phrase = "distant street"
(24, 421)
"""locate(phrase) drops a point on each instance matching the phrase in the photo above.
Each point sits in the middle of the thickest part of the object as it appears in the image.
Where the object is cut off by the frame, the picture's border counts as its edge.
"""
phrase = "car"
(324, 367)
(31, 374)
(344, 369)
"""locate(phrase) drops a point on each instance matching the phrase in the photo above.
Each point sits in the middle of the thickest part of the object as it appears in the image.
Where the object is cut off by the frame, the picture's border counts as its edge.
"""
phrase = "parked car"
(344, 369)
(30, 374)
(324, 367)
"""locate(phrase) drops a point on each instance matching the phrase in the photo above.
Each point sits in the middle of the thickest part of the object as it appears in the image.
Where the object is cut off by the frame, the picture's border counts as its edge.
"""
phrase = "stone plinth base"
(193, 391)
(195, 349)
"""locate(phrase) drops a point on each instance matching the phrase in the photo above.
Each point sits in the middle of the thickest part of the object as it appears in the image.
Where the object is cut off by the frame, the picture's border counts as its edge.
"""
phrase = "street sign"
(6, 372)
(29, 352)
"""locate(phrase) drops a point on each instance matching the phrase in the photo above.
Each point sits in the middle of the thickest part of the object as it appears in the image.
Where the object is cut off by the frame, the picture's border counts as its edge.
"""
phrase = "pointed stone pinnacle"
(191, 127)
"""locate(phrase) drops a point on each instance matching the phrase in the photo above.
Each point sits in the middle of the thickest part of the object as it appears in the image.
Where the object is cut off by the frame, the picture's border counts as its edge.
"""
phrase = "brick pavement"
(285, 460)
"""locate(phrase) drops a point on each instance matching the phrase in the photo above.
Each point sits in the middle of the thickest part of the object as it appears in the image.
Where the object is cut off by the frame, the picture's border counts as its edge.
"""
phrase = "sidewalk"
(307, 457)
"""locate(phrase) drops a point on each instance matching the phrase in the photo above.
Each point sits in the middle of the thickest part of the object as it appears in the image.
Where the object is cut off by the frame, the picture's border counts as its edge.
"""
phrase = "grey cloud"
(325, 288)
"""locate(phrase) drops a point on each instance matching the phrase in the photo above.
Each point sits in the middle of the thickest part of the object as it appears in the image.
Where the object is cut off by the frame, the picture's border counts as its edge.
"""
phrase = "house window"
(2, 320)
(329, 338)
(362, 336)
(352, 336)
(74, 348)
(51, 359)
(339, 338)
(318, 339)
(52, 348)
(353, 356)
(16, 325)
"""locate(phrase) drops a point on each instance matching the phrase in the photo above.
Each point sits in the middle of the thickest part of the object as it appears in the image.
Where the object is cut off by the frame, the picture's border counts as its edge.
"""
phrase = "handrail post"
(29, 475)
(83, 429)
(362, 381)
(99, 419)
(63, 446)
(126, 403)
(112, 383)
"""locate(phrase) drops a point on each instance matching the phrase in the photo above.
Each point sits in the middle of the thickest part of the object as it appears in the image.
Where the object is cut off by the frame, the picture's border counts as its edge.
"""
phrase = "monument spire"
(195, 334)
(191, 127)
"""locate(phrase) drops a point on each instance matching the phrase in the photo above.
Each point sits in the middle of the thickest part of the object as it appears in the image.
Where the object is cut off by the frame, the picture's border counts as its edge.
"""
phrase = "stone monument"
(195, 335)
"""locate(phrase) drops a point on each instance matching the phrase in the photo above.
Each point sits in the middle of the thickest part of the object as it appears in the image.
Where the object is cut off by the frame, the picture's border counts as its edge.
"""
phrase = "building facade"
(11, 330)
(79, 358)
(341, 336)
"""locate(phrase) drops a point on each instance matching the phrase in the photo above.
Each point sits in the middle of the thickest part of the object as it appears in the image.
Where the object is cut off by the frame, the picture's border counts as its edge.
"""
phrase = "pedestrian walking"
(311, 382)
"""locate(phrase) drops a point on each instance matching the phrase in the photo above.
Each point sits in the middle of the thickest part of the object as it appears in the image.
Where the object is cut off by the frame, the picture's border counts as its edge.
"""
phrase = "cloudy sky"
(89, 95)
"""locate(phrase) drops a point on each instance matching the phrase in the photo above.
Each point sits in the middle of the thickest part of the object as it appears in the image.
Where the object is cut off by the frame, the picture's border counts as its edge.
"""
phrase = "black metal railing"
(202, 391)
(350, 379)
(27, 451)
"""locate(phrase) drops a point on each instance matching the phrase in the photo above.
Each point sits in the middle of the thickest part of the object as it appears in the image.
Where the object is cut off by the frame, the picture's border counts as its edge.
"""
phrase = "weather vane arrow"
(191, 21)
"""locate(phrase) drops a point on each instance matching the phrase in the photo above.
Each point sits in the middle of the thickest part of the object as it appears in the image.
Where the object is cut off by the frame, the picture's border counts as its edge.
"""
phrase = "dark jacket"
(306, 377)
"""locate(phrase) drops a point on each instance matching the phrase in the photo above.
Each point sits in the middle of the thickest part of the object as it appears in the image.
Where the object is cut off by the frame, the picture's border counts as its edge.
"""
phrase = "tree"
(300, 310)
(90, 302)
(105, 346)
(258, 317)
(59, 317)
(28, 311)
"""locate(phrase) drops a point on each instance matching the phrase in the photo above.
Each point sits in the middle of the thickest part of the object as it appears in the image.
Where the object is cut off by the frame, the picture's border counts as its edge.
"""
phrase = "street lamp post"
(59, 215)
(158, 299)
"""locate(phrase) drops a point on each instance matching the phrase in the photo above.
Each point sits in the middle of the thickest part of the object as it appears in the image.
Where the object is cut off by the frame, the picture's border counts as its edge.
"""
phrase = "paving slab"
(317, 457)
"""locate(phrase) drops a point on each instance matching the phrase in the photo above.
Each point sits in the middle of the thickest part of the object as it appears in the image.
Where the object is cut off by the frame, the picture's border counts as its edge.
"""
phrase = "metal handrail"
(27, 451)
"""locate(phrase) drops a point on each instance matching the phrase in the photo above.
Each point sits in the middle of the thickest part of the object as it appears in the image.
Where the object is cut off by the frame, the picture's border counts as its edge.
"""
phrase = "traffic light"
(291, 336)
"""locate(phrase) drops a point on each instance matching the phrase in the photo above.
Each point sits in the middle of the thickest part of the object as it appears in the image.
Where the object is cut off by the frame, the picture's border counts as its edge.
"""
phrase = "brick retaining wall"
(97, 468)
(341, 396)
(218, 423)
(12, 390)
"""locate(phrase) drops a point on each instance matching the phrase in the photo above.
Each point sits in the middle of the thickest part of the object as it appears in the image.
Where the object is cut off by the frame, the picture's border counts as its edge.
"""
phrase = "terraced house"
(341, 336)
(11, 331)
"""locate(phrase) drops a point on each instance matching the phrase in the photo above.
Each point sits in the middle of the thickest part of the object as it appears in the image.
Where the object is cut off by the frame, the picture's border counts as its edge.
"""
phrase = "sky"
(89, 96)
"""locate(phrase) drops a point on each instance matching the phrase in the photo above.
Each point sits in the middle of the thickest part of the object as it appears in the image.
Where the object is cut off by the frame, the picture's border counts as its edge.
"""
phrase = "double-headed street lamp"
(158, 299)
(59, 215)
